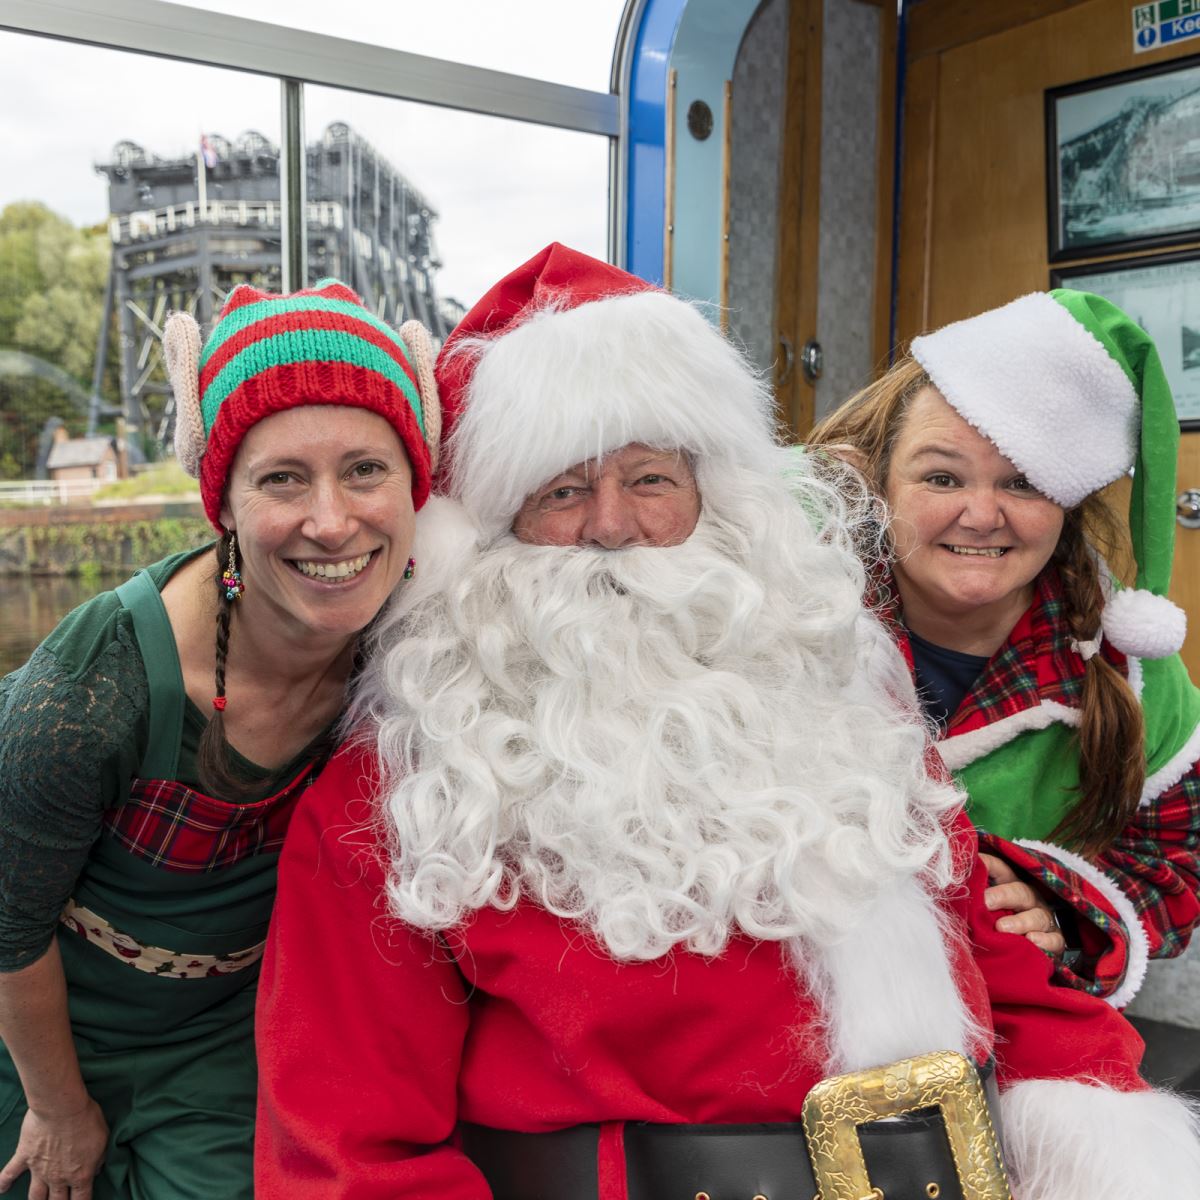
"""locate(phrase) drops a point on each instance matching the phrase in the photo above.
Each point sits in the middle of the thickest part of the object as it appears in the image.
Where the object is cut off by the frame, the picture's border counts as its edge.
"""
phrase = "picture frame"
(1123, 161)
(1161, 292)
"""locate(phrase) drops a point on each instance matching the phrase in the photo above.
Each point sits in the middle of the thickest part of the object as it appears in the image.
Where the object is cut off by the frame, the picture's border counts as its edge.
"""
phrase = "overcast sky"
(502, 189)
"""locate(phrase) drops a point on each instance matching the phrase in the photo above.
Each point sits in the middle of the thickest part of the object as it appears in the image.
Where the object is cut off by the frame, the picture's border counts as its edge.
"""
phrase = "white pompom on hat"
(1071, 390)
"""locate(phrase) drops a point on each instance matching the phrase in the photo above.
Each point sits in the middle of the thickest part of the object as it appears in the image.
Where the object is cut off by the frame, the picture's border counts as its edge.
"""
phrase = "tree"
(21, 272)
(52, 280)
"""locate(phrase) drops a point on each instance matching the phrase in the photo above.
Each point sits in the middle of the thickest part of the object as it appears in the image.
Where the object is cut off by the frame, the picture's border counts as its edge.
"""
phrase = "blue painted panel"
(704, 52)
(646, 140)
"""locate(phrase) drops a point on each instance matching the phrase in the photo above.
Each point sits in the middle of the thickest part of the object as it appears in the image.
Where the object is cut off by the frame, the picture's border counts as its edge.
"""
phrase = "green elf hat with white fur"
(1072, 392)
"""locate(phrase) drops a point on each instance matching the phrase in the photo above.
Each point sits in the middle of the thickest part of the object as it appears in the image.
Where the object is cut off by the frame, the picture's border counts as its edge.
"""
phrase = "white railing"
(48, 491)
(243, 214)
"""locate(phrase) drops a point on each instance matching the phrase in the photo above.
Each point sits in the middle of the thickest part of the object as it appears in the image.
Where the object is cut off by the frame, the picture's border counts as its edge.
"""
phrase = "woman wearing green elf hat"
(1063, 707)
(154, 746)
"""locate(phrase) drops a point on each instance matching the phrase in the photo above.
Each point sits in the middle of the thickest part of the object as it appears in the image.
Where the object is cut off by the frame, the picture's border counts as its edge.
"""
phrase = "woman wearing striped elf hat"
(154, 747)
(1064, 708)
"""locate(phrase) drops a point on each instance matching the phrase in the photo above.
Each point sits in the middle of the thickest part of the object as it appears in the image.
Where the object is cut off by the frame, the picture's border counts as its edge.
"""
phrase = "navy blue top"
(943, 676)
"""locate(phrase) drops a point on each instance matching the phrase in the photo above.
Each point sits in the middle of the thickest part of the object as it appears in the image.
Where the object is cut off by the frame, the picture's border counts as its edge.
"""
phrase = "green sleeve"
(1171, 708)
(73, 726)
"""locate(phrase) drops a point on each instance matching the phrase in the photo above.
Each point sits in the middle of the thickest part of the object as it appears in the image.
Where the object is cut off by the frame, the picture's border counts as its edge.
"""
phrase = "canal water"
(31, 607)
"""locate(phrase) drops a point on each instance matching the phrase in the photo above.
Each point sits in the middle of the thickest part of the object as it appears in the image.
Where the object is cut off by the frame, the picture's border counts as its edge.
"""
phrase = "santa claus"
(640, 838)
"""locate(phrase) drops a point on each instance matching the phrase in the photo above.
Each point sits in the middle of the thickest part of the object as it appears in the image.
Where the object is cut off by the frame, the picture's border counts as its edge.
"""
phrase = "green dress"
(159, 895)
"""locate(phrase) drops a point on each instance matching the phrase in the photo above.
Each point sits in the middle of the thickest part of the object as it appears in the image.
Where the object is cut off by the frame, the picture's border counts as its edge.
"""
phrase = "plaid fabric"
(178, 828)
(1155, 861)
(1035, 664)
(1105, 940)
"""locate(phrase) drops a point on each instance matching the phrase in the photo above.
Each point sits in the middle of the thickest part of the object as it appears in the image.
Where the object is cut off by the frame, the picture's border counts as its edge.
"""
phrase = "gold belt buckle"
(835, 1108)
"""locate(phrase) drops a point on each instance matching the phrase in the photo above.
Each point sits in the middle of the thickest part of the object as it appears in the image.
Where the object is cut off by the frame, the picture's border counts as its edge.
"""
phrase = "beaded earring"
(411, 569)
(231, 577)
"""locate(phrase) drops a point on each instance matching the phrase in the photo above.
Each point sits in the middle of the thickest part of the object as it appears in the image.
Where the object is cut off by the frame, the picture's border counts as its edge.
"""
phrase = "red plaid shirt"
(1156, 859)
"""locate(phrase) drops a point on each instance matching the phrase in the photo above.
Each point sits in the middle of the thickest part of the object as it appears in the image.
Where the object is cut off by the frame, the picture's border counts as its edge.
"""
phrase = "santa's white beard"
(665, 744)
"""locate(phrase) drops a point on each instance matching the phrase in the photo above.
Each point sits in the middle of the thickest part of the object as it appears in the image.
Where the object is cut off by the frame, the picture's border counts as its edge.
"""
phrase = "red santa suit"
(376, 1039)
(668, 744)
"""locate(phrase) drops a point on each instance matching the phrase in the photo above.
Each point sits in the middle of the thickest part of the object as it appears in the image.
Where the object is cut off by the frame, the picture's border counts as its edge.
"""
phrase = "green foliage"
(21, 272)
(25, 406)
(62, 323)
(96, 551)
(52, 280)
(163, 479)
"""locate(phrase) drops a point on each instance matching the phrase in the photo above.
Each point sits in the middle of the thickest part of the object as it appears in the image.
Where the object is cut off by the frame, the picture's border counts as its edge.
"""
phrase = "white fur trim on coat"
(887, 990)
(1137, 676)
(1138, 938)
(964, 748)
(1043, 390)
(443, 537)
(568, 386)
(1067, 1140)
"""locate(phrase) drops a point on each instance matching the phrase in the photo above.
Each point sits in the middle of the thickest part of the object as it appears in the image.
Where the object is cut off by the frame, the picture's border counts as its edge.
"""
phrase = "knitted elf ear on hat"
(267, 353)
(1072, 391)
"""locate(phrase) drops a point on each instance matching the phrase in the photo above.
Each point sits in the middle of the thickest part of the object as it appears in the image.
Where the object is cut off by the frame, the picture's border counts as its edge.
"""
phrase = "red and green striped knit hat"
(267, 353)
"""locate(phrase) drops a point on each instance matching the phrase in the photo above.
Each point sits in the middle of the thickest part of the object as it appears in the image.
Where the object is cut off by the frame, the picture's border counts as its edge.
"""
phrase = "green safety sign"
(1164, 22)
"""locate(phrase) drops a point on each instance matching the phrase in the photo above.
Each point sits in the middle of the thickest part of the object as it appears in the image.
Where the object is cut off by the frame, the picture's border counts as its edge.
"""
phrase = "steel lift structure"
(187, 230)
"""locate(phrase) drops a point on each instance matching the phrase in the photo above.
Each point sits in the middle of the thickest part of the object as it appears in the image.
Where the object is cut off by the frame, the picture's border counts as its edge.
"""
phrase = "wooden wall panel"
(916, 198)
(1185, 578)
(886, 137)
(938, 25)
(978, 130)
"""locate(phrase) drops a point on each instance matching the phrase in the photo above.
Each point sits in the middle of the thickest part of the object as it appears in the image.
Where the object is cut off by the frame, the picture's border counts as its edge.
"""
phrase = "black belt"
(908, 1158)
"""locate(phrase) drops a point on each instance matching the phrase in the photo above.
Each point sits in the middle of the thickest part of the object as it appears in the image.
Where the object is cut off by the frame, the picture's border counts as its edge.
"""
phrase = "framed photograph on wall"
(1162, 294)
(1123, 161)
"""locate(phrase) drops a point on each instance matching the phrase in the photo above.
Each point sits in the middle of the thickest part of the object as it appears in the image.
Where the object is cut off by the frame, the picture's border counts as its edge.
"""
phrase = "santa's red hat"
(568, 358)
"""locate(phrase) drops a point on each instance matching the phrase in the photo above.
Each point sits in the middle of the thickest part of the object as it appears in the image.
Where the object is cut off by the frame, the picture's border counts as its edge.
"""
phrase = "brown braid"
(1112, 766)
(217, 776)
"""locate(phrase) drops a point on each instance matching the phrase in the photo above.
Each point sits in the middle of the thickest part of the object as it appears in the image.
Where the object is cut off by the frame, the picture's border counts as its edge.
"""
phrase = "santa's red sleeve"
(336, 970)
(1076, 1117)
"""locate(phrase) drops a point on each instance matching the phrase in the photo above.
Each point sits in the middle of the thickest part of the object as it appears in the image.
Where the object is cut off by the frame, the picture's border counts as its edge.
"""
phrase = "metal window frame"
(620, 84)
(297, 57)
(641, 77)
(240, 43)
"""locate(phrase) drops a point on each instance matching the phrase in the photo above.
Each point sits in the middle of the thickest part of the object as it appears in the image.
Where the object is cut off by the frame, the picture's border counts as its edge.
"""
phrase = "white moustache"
(664, 744)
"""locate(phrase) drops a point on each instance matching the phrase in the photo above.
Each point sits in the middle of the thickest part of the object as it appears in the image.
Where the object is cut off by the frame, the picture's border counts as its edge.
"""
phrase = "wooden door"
(1185, 578)
(973, 225)
(834, 266)
(799, 209)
